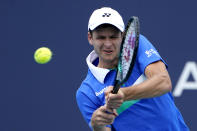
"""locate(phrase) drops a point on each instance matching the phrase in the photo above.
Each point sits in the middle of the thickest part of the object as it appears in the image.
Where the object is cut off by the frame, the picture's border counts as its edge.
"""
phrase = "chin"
(110, 60)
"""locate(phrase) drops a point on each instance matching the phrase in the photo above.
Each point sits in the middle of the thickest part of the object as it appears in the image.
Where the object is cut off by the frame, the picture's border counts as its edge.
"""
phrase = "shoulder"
(86, 83)
(144, 42)
(86, 93)
(147, 53)
(146, 47)
(87, 87)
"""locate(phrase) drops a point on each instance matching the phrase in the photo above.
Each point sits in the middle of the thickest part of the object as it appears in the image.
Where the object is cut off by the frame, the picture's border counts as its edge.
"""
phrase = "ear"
(90, 38)
(122, 34)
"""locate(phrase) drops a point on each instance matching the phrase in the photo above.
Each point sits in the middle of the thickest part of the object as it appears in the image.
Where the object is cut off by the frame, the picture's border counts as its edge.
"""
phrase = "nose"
(108, 43)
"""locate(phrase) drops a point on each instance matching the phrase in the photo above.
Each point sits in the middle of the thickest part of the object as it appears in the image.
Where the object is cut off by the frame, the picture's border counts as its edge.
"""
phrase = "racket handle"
(116, 87)
(112, 113)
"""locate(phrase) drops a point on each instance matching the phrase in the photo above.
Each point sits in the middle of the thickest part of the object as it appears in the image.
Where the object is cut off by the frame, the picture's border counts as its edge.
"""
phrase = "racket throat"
(117, 85)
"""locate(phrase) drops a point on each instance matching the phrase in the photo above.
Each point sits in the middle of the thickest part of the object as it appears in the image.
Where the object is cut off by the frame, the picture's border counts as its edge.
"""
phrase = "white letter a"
(190, 68)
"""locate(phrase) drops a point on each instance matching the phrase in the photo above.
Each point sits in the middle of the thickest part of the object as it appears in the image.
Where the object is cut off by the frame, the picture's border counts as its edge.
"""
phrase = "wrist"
(96, 127)
(124, 92)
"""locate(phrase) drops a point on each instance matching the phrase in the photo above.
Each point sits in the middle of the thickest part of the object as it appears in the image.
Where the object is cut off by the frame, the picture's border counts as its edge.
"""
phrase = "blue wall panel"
(37, 97)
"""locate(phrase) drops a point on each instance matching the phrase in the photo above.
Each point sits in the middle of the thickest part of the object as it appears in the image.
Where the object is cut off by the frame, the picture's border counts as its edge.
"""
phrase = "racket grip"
(116, 87)
(112, 113)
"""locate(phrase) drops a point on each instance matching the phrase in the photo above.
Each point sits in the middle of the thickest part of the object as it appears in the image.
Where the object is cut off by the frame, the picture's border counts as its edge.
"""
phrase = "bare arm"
(158, 83)
(102, 129)
(108, 129)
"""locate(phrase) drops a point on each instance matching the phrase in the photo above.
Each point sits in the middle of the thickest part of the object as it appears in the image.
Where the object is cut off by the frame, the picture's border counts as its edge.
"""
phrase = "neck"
(108, 65)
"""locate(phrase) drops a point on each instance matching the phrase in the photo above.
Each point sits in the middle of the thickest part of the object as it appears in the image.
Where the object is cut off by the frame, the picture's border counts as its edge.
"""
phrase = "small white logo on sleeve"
(150, 52)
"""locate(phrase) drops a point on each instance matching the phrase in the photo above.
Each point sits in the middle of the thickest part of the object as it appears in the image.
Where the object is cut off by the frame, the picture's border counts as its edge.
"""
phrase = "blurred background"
(36, 97)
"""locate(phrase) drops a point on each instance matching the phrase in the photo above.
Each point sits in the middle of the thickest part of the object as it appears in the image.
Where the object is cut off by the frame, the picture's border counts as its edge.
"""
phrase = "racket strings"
(128, 53)
(128, 49)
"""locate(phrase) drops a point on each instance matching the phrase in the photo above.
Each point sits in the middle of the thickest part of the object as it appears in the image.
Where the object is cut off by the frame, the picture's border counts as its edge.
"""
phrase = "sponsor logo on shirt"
(100, 92)
(150, 52)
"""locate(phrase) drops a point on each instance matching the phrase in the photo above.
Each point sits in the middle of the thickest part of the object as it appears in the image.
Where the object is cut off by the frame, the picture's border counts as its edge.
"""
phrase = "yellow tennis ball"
(42, 55)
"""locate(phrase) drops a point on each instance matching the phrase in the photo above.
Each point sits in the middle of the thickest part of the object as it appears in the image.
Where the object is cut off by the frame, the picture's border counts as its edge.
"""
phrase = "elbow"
(167, 84)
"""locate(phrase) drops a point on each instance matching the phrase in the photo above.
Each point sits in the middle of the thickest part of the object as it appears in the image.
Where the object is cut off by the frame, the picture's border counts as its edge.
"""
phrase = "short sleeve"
(86, 105)
(147, 53)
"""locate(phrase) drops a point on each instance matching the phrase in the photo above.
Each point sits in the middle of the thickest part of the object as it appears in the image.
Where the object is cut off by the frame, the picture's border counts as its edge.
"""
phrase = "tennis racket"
(128, 53)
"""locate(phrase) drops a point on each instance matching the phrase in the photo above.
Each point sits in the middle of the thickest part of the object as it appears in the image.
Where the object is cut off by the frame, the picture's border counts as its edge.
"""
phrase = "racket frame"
(118, 83)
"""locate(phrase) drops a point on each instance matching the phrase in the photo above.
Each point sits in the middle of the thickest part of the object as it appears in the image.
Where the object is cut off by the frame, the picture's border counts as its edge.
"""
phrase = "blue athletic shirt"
(150, 114)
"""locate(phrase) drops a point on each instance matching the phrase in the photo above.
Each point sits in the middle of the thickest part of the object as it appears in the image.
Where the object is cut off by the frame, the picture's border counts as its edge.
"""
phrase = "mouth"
(108, 52)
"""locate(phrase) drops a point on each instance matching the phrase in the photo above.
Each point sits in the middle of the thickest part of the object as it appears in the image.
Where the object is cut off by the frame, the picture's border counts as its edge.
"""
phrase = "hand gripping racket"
(128, 53)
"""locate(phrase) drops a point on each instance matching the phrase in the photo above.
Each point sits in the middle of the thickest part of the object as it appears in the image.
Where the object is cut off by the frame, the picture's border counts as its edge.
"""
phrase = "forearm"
(154, 86)
(101, 129)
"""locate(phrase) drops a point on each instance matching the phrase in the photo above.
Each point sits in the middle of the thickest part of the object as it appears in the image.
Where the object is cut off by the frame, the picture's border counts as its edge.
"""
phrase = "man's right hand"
(102, 117)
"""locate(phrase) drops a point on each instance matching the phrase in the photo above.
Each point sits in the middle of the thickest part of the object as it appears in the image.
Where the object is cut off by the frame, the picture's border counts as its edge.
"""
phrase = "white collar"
(99, 73)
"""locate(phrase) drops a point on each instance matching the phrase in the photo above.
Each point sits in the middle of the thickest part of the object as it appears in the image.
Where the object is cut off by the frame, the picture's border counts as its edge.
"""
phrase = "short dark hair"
(102, 26)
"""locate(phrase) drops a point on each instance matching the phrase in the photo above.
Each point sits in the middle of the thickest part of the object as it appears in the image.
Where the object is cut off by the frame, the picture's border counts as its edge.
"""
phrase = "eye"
(101, 37)
(114, 37)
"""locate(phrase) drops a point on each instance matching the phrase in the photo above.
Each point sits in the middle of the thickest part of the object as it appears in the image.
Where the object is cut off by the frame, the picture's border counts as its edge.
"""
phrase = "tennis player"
(144, 102)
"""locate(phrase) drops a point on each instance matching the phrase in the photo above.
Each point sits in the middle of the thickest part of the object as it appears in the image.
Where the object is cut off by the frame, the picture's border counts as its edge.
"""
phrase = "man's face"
(106, 42)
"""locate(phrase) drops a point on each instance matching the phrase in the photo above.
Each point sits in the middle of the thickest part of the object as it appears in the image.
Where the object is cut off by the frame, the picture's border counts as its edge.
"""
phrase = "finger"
(113, 105)
(106, 116)
(116, 106)
(109, 116)
(114, 101)
(108, 90)
(115, 112)
(103, 122)
(105, 110)
(110, 112)
(115, 97)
